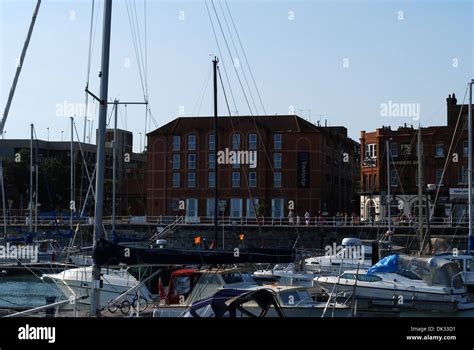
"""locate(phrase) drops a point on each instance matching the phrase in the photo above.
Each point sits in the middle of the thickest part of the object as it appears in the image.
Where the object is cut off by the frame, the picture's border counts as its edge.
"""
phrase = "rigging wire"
(245, 56)
(202, 92)
(238, 57)
(230, 55)
(131, 21)
(243, 168)
(245, 95)
(450, 149)
(220, 55)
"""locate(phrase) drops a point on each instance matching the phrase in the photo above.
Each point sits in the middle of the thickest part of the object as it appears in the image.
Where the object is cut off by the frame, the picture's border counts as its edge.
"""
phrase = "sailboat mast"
(216, 143)
(3, 201)
(36, 195)
(31, 181)
(99, 185)
(389, 197)
(114, 167)
(470, 242)
(420, 187)
(72, 176)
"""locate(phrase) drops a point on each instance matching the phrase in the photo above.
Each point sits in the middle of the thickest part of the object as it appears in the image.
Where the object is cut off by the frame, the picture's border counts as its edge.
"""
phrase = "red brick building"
(436, 142)
(316, 167)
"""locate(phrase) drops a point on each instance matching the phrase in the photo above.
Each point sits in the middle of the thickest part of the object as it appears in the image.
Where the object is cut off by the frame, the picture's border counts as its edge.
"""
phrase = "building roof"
(275, 123)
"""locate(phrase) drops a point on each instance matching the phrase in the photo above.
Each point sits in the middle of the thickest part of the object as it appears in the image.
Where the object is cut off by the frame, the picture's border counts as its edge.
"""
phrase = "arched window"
(236, 141)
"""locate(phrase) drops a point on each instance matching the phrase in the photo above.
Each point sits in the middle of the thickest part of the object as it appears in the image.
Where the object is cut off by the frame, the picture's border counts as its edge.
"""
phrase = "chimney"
(452, 109)
(451, 100)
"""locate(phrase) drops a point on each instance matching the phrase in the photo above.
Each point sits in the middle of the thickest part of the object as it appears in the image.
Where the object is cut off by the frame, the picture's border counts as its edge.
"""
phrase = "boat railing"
(168, 229)
(454, 276)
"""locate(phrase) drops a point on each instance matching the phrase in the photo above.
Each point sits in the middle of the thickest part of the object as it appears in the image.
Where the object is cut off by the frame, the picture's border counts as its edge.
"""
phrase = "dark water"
(24, 292)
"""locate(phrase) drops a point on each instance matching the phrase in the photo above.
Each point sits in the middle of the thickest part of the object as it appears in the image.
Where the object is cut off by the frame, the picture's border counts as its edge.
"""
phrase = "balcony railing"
(178, 220)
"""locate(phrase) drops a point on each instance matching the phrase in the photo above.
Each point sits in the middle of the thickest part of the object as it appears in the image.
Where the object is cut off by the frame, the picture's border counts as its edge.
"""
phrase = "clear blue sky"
(296, 62)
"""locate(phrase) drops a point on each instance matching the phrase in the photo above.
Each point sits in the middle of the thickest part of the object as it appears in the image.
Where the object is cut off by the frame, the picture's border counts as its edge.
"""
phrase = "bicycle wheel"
(141, 304)
(125, 307)
(113, 308)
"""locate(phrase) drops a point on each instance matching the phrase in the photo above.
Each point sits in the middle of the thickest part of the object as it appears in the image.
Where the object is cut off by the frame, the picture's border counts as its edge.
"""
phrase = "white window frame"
(277, 141)
(192, 207)
(281, 208)
(191, 163)
(252, 182)
(209, 142)
(371, 151)
(176, 143)
(209, 179)
(178, 175)
(211, 164)
(250, 212)
(441, 147)
(233, 203)
(188, 179)
(235, 173)
(277, 162)
(236, 139)
(253, 144)
(192, 144)
(210, 207)
(176, 165)
(277, 182)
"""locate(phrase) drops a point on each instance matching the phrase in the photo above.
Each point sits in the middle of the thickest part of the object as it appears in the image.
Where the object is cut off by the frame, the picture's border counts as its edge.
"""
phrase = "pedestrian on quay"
(298, 220)
(290, 217)
(306, 218)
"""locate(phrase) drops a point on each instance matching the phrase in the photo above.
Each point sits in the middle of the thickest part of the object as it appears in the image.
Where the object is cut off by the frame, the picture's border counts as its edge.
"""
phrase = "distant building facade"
(289, 159)
(52, 159)
(447, 169)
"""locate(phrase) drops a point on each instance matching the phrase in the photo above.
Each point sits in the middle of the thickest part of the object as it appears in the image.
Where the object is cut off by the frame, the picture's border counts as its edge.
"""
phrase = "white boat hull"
(390, 296)
(75, 284)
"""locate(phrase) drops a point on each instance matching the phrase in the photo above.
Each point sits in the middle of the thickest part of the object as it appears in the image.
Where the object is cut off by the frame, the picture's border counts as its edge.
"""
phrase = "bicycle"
(139, 303)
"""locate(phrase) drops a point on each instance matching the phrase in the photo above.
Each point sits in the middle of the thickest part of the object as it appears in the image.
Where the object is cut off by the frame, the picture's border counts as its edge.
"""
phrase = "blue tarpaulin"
(387, 264)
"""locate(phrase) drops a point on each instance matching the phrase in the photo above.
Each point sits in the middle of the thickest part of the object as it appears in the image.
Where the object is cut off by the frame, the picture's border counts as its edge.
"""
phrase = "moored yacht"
(465, 262)
(75, 284)
(403, 281)
(351, 254)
